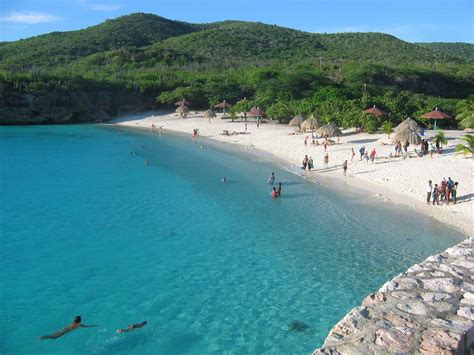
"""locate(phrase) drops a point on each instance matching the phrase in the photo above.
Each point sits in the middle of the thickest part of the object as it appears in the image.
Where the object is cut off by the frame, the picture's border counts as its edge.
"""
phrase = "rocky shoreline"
(429, 309)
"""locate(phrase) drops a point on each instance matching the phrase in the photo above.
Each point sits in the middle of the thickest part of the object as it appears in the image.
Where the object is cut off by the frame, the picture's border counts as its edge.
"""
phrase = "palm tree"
(439, 139)
(468, 147)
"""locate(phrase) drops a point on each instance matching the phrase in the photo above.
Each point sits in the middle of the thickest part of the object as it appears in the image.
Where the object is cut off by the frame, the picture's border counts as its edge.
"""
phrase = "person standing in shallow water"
(271, 179)
(76, 323)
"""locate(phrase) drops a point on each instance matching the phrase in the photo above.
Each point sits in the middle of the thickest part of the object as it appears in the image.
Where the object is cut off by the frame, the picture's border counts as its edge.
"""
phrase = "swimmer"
(131, 327)
(271, 179)
(202, 147)
(74, 325)
(274, 192)
(224, 179)
(146, 162)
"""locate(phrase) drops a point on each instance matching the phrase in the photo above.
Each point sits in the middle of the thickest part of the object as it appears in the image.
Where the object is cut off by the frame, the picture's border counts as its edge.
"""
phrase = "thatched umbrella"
(183, 109)
(257, 111)
(209, 114)
(408, 123)
(223, 105)
(406, 135)
(310, 124)
(436, 115)
(329, 130)
(375, 111)
(182, 102)
(296, 121)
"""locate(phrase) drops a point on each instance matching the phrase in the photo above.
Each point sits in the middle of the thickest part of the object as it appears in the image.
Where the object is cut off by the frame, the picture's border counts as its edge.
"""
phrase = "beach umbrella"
(209, 114)
(296, 121)
(435, 115)
(257, 112)
(375, 111)
(406, 135)
(408, 123)
(223, 105)
(182, 102)
(183, 109)
(310, 124)
(329, 130)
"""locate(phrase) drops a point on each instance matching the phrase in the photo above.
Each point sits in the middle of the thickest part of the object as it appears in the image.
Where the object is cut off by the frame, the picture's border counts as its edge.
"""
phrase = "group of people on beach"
(77, 323)
(444, 192)
(365, 156)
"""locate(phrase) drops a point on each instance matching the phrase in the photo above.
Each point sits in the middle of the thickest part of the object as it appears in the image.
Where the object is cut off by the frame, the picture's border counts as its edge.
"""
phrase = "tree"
(439, 139)
(387, 128)
(468, 147)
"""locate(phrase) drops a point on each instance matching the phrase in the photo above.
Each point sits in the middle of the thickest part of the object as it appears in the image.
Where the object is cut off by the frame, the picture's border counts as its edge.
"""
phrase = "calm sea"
(87, 228)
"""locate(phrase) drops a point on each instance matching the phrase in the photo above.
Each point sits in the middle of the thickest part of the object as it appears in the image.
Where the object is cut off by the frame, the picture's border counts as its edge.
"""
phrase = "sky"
(410, 20)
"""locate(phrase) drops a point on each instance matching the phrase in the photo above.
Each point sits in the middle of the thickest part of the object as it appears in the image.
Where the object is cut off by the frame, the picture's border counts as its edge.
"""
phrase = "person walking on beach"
(373, 154)
(435, 194)
(306, 141)
(454, 192)
(326, 160)
(362, 152)
(310, 163)
(305, 162)
(344, 168)
(131, 327)
(353, 154)
(76, 323)
(429, 191)
(271, 179)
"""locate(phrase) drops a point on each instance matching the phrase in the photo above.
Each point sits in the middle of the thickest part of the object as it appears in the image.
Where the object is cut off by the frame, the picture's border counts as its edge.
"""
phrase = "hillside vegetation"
(140, 61)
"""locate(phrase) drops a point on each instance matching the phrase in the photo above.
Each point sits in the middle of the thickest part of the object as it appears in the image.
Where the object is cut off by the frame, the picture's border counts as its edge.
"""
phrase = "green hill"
(460, 50)
(57, 48)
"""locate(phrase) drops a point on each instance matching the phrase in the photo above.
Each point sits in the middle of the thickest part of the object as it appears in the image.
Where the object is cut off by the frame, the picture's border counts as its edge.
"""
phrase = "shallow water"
(89, 229)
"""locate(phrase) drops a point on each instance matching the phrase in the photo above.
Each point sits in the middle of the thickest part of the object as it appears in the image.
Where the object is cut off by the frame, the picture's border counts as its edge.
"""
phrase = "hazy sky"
(410, 20)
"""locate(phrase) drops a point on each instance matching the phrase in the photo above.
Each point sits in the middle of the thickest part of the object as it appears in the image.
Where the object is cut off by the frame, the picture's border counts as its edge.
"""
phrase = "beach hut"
(407, 131)
(223, 105)
(375, 111)
(406, 135)
(329, 130)
(183, 110)
(182, 102)
(257, 112)
(411, 124)
(209, 114)
(310, 124)
(296, 121)
(435, 115)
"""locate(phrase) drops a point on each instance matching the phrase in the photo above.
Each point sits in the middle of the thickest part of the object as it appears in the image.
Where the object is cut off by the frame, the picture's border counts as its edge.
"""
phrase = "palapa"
(406, 135)
(182, 109)
(411, 124)
(329, 130)
(209, 114)
(296, 121)
(310, 124)
(407, 131)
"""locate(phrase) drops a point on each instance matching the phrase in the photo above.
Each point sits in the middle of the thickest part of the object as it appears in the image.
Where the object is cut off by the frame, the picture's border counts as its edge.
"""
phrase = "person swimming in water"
(74, 325)
(132, 327)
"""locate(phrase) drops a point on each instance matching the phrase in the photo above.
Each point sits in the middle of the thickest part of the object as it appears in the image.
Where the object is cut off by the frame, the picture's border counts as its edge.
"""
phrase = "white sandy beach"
(394, 180)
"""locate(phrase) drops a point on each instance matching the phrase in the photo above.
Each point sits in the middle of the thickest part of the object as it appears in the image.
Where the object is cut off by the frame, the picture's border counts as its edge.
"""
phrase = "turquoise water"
(89, 229)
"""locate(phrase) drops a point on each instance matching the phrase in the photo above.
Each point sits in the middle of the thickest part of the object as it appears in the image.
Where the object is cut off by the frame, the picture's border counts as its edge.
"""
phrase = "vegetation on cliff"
(333, 76)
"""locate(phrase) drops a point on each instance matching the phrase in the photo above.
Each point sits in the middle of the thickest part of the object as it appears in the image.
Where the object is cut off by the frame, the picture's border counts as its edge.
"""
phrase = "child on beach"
(344, 168)
(326, 160)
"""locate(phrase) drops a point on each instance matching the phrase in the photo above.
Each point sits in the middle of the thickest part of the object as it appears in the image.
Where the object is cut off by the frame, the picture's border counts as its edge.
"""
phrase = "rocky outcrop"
(69, 107)
(429, 309)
